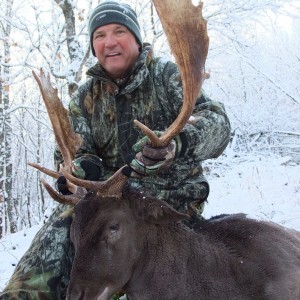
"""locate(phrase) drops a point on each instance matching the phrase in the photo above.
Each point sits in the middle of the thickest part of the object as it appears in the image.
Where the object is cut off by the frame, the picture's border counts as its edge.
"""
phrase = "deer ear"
(153, 210)
(159, 212)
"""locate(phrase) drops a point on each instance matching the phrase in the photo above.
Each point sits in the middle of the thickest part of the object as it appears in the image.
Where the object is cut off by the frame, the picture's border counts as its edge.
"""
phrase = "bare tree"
(255, 72)
(8, 223)
(77, 57)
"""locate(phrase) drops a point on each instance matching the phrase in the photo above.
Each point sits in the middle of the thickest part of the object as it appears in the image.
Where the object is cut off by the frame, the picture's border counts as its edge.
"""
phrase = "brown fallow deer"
(127, 241)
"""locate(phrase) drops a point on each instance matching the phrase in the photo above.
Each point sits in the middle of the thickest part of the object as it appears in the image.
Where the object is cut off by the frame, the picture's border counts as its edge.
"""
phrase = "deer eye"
(114, 227)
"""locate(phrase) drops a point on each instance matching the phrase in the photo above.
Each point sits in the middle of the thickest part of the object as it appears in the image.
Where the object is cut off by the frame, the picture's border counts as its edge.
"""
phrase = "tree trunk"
(8, 223)
(76, 55)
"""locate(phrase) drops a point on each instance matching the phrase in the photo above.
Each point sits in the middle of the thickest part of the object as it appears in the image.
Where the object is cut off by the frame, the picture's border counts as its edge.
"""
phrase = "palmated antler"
(186, 31)
(68, 141)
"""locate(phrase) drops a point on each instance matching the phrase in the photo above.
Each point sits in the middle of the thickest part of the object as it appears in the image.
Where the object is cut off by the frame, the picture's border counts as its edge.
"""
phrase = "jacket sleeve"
(207, 133)
(80, 122)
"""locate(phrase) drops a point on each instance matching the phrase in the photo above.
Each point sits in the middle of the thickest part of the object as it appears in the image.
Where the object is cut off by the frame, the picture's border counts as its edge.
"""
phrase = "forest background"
(254, 62)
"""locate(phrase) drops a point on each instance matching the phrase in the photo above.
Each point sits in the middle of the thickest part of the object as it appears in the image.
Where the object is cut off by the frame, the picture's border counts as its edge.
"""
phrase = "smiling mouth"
(113, 54)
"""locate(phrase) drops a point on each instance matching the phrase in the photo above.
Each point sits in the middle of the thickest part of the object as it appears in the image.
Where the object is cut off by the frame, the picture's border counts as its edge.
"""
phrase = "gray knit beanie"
(110, 12)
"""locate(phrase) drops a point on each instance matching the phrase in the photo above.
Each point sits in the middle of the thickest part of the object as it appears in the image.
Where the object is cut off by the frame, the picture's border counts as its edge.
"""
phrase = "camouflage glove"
(85, 167)
(150, 161)
(61, 185)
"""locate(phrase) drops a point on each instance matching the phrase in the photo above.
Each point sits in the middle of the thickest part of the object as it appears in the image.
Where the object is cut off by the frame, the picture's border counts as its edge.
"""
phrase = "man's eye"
(120, 32)
(98, 36)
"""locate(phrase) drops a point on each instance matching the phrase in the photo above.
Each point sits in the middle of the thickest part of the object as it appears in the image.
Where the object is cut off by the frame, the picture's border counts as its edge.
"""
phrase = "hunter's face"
(116, 49)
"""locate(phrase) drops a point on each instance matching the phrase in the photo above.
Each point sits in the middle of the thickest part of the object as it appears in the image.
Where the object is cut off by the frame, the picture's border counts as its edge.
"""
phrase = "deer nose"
(104, 295)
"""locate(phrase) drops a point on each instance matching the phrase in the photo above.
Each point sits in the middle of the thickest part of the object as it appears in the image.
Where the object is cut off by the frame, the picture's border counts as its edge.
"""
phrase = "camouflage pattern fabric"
(102, 111)
(43, 271)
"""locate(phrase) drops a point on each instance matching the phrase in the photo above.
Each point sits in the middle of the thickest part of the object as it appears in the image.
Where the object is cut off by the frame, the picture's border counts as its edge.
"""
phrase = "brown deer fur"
(138, 244)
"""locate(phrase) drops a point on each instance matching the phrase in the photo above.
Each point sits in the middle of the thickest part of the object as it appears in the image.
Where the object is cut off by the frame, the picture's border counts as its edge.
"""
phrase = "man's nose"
(110, 41)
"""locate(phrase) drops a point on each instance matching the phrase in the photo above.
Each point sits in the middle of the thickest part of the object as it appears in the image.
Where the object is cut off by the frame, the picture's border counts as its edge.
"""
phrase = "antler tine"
(186, 31)
(68, 141)
(55, 175)
(110, 187)
(68, 199)
(45, 170)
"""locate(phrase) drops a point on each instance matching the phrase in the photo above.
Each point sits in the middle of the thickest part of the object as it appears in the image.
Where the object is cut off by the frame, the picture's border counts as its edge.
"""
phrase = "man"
(127, 83)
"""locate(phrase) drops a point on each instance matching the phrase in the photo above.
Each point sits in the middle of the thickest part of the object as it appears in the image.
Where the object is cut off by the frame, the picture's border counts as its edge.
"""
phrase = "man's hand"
(151, 161)
(148, 160)
(85, 167)
(61, 185)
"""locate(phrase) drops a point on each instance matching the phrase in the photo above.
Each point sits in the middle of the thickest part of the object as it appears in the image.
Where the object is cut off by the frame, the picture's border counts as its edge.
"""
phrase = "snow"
(12, 248)
(265, 188)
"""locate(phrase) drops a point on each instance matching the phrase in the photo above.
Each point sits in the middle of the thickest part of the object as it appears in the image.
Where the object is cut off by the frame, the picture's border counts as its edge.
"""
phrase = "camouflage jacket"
(103, 111)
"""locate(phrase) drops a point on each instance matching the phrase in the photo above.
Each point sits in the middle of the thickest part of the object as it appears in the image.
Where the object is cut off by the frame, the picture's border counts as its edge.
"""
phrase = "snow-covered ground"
(263, 187)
